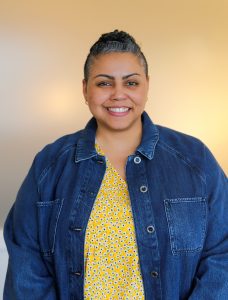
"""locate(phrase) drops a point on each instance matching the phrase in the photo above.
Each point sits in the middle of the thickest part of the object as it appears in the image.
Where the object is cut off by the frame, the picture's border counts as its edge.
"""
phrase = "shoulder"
(191, 150)
(54, 151)
(179, 141)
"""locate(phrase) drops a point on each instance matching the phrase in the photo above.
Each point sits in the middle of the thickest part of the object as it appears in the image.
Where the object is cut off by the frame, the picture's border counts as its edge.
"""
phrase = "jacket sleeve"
(211, 280)
(27, 275)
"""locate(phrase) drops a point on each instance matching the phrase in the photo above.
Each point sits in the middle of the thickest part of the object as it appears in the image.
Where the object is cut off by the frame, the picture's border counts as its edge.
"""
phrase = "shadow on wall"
(3, 260)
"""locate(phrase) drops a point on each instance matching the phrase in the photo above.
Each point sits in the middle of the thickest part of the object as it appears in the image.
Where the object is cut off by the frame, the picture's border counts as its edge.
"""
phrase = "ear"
(84, 88)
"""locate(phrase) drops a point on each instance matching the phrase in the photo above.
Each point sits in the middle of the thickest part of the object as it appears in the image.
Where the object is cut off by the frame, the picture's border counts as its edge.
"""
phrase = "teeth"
(118, 109)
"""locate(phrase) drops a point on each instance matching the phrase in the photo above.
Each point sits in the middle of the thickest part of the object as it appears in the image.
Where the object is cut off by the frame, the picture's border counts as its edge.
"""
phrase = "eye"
(104, 83)
(132, 83)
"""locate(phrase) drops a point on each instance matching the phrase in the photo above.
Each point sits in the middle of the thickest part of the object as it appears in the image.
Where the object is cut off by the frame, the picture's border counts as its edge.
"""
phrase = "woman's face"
(116, 91)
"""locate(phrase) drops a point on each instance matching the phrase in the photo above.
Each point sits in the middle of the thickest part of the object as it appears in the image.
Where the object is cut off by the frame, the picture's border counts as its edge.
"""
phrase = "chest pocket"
(48, 216)
(186, 219)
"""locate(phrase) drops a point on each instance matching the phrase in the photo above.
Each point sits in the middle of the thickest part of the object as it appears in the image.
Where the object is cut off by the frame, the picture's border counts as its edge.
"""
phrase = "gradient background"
(43, 46)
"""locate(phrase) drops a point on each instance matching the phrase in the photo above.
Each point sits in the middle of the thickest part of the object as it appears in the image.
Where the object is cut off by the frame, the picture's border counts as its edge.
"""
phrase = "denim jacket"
(179, 199)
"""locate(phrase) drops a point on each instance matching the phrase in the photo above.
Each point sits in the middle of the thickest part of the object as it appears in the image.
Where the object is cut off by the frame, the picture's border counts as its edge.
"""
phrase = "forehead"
(116, 62)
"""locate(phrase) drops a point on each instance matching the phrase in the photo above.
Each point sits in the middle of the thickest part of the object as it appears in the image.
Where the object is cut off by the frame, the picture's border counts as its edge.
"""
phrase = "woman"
(123, 209)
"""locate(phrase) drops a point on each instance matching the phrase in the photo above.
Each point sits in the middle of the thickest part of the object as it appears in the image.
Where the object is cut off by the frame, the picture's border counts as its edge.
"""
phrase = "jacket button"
(154, 274)
(137, 160)
(143, 189)
(150, 229)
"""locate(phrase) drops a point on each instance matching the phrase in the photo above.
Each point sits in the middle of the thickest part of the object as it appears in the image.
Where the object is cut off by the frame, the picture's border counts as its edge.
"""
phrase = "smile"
(118, 109)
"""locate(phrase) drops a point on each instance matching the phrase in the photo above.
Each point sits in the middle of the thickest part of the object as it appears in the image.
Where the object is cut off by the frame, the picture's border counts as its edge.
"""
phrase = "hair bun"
(116, 36)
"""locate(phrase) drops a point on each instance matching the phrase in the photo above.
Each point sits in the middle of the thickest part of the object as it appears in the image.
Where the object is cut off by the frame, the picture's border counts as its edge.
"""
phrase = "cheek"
(140, 97)
(96, 100)
(97, 97)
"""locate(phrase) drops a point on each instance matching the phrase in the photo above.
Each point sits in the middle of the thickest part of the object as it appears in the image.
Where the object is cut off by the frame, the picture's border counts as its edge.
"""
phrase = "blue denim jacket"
(179, 199)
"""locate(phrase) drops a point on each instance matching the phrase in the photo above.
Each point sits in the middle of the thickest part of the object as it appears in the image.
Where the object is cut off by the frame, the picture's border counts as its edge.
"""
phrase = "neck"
(121, 141)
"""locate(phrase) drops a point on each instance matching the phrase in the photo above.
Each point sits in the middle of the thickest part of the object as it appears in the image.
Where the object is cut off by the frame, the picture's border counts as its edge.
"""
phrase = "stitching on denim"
(47, 203)
(186, 200)
(171, 238)
(176, 153)
(56, 224)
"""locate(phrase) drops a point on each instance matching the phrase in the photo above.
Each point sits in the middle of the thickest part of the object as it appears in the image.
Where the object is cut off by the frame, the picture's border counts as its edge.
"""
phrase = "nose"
(118, 92)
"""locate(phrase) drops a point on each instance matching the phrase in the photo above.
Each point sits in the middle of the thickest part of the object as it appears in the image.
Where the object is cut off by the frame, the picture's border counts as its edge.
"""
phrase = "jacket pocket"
(48, 216)
(186, 219)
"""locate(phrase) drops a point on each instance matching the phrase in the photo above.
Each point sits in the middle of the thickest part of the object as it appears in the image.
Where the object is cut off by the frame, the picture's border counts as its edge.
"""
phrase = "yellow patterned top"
(112, 268)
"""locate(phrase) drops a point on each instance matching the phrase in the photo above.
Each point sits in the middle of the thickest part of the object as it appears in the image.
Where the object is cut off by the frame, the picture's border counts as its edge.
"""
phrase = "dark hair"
(115, 41)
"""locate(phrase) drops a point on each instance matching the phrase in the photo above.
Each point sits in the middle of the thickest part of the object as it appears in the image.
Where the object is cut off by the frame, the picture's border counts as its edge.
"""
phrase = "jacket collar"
(86, 143)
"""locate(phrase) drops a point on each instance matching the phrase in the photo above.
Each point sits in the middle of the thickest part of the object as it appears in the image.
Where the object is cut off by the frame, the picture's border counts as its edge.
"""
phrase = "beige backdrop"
(43, 45)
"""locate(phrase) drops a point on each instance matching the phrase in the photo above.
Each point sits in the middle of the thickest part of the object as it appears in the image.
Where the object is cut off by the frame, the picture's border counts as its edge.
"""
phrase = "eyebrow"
(112, 77)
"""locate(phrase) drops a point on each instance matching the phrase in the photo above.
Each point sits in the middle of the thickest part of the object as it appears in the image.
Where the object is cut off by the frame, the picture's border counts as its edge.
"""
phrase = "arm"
(211, 280)
(27, 275)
